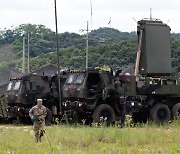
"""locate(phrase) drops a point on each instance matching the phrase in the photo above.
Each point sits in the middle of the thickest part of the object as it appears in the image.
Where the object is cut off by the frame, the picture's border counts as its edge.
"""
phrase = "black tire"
(160, 113)
(103, 114)
(48, 118)
(176, 111)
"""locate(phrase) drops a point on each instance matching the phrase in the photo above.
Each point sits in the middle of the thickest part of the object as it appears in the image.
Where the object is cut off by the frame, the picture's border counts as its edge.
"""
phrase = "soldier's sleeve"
(31, 112)
(45, 112)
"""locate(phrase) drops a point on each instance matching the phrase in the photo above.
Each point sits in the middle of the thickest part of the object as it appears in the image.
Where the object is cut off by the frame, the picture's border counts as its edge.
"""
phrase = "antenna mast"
(109, 23)
(91, 15)
(87, 47)
(150, 14)
(57, 44)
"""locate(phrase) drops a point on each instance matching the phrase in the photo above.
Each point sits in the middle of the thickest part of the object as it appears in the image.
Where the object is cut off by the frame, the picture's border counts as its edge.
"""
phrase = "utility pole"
(57, 44)
(23, 60)
(28, 53)
(87, 47)
(87, 42)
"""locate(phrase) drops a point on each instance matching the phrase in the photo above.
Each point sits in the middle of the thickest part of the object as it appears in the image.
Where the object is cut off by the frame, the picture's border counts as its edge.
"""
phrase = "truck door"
(31, 92)
(107, 84)
(35, 87)
(94, 84)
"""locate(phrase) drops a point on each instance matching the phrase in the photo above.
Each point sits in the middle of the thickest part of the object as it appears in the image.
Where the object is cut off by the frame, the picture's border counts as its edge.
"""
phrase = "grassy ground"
(147, 138)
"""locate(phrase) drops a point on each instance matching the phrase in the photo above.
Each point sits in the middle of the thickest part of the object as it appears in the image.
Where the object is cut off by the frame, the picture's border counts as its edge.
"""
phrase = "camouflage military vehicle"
(156, 89)
(22, 94)
(93, 95)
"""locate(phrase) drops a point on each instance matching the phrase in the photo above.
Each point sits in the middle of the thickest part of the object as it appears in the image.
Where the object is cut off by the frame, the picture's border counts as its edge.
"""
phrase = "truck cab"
(22, 93)
(83, 87)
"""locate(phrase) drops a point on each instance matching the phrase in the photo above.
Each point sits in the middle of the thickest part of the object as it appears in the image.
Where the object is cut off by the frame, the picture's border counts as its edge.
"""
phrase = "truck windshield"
(75, 79)
(13, 85)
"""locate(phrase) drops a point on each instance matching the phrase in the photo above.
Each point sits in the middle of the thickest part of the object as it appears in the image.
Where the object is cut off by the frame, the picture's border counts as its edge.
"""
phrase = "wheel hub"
(162, 114)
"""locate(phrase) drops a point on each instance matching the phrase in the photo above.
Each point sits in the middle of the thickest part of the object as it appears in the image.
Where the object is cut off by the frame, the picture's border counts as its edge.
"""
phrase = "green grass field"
(147, 138)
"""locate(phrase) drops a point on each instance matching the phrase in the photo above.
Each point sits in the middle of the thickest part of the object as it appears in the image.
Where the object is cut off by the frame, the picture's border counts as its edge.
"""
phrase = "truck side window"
(31, 85)
(93, 80)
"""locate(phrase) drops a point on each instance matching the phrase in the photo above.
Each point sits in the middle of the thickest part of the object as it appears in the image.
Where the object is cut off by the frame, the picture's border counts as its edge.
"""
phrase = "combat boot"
(36, 139)
(41, 134)
(39, 138)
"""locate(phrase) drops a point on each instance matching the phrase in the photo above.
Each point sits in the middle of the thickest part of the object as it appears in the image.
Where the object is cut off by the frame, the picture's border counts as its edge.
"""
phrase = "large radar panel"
(155, 59)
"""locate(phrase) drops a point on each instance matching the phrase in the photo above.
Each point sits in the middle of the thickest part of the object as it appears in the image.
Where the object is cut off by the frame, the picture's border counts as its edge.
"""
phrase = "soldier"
(38, 114)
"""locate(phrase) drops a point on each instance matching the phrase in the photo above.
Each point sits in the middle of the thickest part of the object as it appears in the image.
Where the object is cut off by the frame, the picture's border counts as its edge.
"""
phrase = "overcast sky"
(73, 14)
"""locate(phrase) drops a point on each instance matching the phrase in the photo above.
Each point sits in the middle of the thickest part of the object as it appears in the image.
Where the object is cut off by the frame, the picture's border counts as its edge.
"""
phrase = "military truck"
(153, 86)
(22, 94)
(93, 96)
(159, 89)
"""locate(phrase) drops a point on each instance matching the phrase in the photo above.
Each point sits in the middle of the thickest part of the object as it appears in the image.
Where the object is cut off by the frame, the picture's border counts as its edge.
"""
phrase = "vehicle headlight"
(80, 104)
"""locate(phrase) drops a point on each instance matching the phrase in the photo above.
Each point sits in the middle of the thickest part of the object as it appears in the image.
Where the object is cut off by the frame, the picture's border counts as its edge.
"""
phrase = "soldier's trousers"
(39, 130)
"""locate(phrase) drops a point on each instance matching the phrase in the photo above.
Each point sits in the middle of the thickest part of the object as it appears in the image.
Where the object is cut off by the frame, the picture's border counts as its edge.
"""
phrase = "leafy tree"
(107, 48)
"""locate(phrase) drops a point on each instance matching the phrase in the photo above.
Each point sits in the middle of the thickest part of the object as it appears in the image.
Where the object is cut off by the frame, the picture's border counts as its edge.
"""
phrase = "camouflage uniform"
(39, 123)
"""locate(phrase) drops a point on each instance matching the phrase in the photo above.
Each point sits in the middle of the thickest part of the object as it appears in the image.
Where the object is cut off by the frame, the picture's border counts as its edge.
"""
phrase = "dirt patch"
(15, 127)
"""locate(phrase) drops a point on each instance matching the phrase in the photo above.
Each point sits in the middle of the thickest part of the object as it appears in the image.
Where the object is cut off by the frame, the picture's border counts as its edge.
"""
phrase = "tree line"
(107, 46)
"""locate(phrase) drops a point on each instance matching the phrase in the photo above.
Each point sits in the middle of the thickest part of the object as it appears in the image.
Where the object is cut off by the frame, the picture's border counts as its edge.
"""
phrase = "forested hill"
(107, 46)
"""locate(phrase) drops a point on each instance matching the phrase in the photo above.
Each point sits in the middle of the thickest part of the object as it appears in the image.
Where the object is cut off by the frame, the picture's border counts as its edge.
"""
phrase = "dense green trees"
(107, 46)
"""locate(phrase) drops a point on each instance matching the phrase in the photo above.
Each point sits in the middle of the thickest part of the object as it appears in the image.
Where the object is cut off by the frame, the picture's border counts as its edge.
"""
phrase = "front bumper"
(79, 106)
(15, 111)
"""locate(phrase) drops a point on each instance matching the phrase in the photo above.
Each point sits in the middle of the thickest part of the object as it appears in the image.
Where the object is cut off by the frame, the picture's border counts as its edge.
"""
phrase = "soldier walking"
(37, 115)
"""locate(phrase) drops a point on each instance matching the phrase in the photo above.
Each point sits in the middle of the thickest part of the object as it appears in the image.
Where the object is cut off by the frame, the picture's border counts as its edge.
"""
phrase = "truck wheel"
(160, 113)
(48, 118)
(104, 114)
(176, 111)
